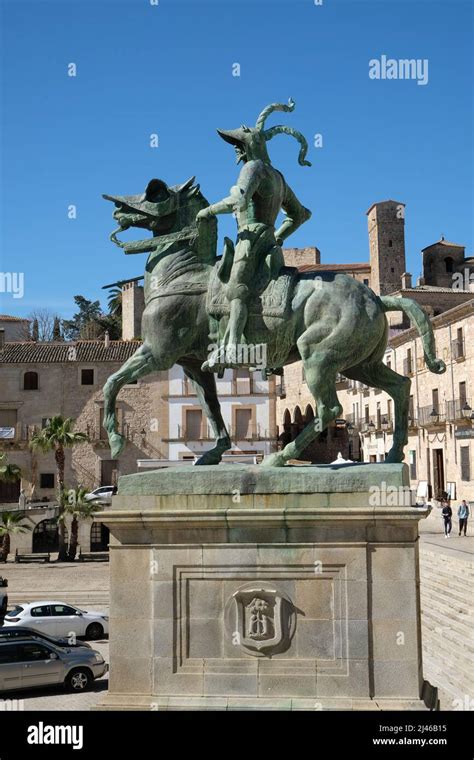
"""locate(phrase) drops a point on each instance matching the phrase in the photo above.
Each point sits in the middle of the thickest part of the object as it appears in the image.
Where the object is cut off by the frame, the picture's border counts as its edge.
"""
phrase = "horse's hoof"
(117, 444)
(209, 458)
(273, 460)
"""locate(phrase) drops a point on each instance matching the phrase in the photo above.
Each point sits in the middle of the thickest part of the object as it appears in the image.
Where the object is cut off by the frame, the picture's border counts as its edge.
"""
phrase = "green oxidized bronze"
(201, 311)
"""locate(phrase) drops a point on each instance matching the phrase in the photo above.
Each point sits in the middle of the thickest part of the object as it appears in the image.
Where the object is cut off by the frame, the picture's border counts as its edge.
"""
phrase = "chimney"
(406, 281)
(2, 338)
(133, 304)
(297, 257)
(106, 339)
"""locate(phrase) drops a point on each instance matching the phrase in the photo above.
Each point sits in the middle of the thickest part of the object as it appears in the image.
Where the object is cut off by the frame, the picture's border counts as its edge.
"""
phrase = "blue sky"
(167, 69)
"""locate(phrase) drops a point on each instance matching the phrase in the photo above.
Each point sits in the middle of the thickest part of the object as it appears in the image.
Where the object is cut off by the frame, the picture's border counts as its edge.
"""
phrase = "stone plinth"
(237, 587)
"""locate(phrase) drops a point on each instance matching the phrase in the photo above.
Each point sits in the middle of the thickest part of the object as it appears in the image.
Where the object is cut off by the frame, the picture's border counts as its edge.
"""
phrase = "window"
(379, 416)
(366, 282)
(411, 409)
(30, 381)
(60, 610)
(390, 245)
(412, 461)
(389, 363)
(193, 424)
(435, 400)
(47, 480)
(389, 409)
(8, 420)
(87, 377)
(465, 463)
(392, 270)
(42, 611)
(449, 263)
(243, 420)
(366, 412)
(33, 652)
(8, 654)
(462, 393)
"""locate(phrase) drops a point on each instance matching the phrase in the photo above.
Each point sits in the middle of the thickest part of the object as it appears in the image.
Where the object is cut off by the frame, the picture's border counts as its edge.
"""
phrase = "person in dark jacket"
(447, 514)
(463, 514)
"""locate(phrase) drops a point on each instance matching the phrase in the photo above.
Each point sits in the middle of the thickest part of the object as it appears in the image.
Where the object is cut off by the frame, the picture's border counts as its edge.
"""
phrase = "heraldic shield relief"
(265, 620)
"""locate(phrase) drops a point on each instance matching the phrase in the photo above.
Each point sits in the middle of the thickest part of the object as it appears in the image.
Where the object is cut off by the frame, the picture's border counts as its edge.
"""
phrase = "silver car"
(27, 664)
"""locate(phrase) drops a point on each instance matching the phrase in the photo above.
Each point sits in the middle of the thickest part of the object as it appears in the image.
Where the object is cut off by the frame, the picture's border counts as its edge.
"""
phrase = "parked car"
(18, 632)
(29, 663)
(3, 596)
(58, 619)
(102, 495)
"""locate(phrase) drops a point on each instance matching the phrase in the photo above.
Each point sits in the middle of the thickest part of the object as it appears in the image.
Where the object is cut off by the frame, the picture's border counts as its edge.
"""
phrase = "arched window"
(309, 414)
(449, 263)
(286, 419)
(30, 381)
(46, 536)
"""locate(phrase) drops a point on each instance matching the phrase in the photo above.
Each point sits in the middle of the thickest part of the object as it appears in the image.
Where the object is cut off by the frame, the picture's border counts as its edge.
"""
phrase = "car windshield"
(15, 611)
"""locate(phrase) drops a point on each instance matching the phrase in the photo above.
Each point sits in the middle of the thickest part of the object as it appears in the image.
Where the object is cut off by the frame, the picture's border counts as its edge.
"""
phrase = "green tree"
(76, 505)
(115, 301)
(89, 312)
(57, 329)
(35, 331)
(57, 436)
(9, 473)
(10, 524)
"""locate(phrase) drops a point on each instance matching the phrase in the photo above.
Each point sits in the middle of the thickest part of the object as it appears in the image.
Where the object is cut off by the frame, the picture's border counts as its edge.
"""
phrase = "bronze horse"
(334, 324)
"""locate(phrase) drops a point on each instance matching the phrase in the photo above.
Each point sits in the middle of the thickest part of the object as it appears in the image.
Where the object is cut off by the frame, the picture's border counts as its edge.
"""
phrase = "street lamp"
(434, 416)
(466, 411)
(371, 427)
(384, 424)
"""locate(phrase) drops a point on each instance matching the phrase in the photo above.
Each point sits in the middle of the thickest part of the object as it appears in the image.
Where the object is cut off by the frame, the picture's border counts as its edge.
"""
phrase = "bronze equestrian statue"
(199, 308)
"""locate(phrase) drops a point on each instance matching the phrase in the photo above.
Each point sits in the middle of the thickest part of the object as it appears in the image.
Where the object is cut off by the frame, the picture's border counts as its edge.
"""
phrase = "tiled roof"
(9, 318)
(433, 289)
(84, 351)
(332, 267)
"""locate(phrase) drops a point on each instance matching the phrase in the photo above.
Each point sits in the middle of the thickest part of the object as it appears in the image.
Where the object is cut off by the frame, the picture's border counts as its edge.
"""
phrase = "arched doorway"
(46, 536)
(99, 537)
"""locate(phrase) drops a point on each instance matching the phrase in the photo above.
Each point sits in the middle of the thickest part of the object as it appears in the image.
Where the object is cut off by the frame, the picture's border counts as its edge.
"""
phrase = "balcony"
(459, 409)
(429, 416)
(342, 383)
(206, 434)
(457, 349)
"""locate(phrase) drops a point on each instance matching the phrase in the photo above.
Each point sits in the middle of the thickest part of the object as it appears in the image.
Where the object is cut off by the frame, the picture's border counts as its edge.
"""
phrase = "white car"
(102, 495)
(58, 619)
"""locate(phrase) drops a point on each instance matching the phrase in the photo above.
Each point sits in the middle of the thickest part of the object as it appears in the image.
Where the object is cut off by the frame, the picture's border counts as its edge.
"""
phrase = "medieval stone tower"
(386, 223)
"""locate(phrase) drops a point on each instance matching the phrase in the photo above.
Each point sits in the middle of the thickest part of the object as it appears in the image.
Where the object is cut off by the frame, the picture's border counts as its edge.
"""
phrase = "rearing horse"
(335, 324)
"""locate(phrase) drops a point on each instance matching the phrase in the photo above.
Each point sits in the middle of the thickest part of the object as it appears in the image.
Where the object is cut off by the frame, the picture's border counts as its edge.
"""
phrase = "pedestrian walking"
(447, 514)
(463, 516)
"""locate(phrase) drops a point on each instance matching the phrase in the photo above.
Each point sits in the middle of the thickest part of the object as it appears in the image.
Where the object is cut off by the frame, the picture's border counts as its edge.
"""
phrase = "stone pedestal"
(241, 587)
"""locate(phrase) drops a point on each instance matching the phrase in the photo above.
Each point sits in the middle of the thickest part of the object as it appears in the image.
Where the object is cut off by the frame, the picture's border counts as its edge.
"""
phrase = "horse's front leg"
(204, 383)
(140, 364)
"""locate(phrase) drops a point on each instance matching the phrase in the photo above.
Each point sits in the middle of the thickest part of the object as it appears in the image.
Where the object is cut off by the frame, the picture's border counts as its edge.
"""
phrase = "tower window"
(449, 265)
(30, 381)
(87, 377)
(392, 269)
(390, 244)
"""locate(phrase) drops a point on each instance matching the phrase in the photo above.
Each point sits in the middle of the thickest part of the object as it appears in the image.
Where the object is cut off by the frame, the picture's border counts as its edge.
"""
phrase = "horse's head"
(160, 209)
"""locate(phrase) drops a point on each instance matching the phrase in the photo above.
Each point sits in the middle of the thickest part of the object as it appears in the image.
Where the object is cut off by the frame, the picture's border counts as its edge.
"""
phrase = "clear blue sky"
(167, 69)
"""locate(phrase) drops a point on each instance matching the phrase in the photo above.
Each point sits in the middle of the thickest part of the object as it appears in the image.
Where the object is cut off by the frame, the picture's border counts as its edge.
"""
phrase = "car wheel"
(94, 631)
(79, 679)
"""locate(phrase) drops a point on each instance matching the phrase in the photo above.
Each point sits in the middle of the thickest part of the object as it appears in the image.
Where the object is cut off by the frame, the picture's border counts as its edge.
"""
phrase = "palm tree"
(11, 523)
(75, 504)
(57, 436)
(9, 473)
(115, 301)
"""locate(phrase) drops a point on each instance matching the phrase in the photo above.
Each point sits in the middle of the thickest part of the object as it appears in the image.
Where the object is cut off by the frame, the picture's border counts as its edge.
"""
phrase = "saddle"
(274, 300)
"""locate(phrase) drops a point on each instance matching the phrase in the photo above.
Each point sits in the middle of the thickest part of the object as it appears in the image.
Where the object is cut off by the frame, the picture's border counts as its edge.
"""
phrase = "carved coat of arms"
(262, 625)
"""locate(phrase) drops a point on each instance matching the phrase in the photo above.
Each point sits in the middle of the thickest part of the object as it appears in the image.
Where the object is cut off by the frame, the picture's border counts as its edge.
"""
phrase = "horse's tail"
(422, 323)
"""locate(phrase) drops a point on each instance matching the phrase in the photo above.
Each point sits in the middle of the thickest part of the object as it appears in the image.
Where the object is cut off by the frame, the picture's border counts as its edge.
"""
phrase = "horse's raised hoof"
(395, 457)
(117, 444)
(274, 460)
